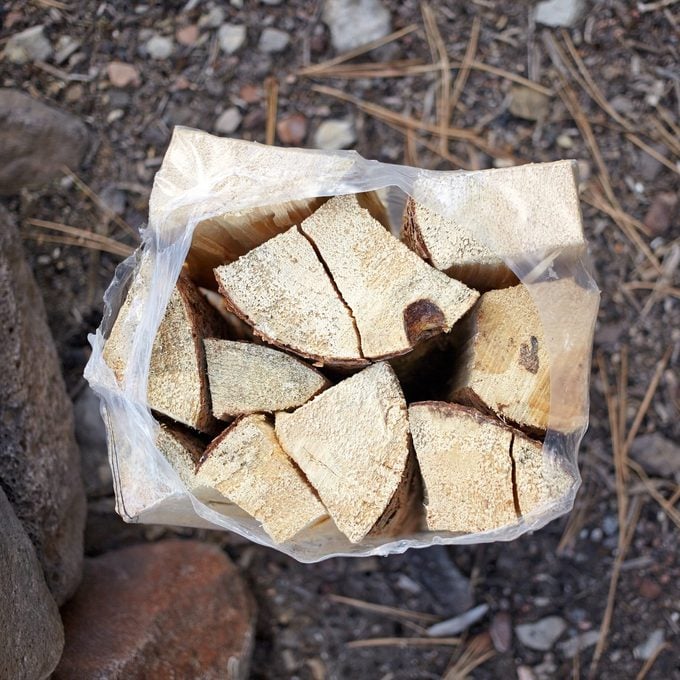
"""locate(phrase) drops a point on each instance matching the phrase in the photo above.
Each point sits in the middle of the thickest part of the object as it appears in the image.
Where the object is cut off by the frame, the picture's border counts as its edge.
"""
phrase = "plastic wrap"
(203, 177)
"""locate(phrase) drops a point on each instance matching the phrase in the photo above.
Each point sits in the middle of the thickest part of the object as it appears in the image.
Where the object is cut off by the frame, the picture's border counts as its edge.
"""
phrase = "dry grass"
(478, 651)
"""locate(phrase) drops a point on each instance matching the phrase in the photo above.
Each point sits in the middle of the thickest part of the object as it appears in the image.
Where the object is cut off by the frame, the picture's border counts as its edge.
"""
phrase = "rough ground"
(563, 570)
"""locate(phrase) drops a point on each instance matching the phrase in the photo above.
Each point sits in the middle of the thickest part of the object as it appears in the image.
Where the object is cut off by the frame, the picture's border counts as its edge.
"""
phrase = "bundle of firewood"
(312, 370)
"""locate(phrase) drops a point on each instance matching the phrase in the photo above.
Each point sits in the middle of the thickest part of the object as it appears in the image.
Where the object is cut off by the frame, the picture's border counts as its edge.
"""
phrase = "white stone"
(213, 18)
(571, 647)
(335, 134)
(542, 634)
(645, 650)
(28, 45)
(273, 40)
(353, 23)
(231, 37)
(159, 47)
(559, 12)
(228, 121)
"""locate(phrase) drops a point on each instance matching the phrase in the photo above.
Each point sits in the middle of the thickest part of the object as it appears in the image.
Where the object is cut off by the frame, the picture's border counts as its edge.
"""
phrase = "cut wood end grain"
(177, 385)
(182, 450)
(352, 444)
(246, 378)
(282, 290)
(396, 299)
(491, 217)
(464, 458)
(503, 365)
(247, 466)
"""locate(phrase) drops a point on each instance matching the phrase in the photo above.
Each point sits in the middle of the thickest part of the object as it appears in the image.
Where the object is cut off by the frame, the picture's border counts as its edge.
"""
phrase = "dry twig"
(405, 642)
(271, 87)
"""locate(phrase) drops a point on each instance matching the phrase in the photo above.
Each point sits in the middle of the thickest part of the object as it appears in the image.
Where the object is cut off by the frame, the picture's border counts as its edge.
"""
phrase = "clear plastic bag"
(203, 177)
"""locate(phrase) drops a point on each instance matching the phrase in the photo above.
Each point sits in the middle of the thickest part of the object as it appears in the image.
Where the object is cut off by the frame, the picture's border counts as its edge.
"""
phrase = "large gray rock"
(39, 458)
(30, 628)
(35, 141)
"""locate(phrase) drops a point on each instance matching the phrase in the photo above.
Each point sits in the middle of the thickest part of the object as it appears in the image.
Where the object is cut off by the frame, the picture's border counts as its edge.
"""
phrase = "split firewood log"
(352, 444)
(503, 365)
(226, 237)
(182, 450)
(246, 466)
(479, 474)
(178, 384)
(395, 298)
(282, 290)
(465, 462)
(246, 378)
(496, 216)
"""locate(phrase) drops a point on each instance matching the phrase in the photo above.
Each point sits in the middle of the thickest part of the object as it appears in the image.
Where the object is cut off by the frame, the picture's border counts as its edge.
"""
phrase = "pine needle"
(477, 651)
(404, 642)
(271, 88)
(393, 612)
(647, 666)
(468, 58)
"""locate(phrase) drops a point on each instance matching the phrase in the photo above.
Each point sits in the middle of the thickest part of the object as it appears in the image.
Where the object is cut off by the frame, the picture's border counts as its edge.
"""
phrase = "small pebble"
(565, 142)
(541, 635)
(292, 129)
(335, 134)
(187, 35)
(353, 23)
(121, 74)
(28, 45)
(645, 650)
(228, 121)
(213, 18)
(273, 40)
(159, 47)
(231, 37)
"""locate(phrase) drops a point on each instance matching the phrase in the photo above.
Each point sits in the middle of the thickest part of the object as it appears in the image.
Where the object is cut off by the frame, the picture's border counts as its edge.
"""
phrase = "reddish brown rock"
(661, 213)
(173, 609)
(292, 129)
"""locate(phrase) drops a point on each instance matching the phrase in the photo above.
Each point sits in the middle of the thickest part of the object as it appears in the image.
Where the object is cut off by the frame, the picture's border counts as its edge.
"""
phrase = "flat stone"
(354, 23)
(273, 40)
(158, 610)
(39, 458)
(231, 37)
(335, 134)
(228, 121)
(292, 129)
(559, 12)
(658, 455)
(121, 74)
(542, 634)
(30, 627)
(528, 104)
(28, 45)
(35, 141)
(91, 438)
(159, 47)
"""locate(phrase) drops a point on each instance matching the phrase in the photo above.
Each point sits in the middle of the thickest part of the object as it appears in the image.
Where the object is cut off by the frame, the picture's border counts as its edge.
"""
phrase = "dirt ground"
(630, 52)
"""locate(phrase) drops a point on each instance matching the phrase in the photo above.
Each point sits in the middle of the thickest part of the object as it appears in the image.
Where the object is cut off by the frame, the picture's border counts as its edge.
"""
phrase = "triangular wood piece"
(283, 291)
(464, 458)
(247, 466)
(352, 444)
(246, 378)
(182, 450)
(178, 383)
(495, 216)
(225, 238)
(395, 297)
(540, 479)
(504, 365)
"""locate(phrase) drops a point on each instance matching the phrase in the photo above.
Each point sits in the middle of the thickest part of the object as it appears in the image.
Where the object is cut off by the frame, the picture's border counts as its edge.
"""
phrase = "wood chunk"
(492, 216)
(352, 444)
(236, 328)
(504, 366)
(182, 450)
(283, 291)
(446, 246)
(395, 297)
(225, 238)
(247, 466)
(178, 384)
(465, 462)
(246, 378)
(539, 478)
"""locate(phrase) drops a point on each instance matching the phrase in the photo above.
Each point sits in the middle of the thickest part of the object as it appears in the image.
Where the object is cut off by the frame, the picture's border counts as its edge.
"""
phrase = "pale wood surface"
(182, 450)
(282, 290)
(247, 466)
(352, 443)
(395, 297)
(464, 458)
(178, 384)
(246, 378)
(504, 364)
